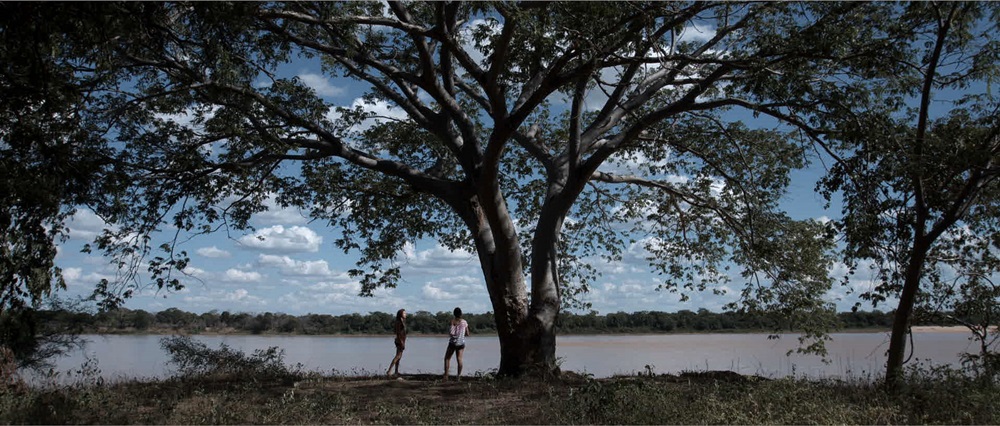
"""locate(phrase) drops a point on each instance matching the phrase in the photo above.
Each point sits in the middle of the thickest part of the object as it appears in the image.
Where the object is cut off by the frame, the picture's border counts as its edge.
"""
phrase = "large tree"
(51, 156)
(534, 134)
(917, 165)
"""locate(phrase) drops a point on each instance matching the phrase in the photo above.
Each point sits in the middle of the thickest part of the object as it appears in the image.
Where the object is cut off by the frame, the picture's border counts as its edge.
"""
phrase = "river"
(851, 355)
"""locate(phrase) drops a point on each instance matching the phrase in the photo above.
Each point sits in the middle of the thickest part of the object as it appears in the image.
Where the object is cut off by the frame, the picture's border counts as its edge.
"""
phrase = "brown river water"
(851, 355)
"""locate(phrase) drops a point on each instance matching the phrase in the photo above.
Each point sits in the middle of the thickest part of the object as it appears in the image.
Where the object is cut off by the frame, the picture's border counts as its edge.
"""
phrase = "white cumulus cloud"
(77, 278)
(238, 299)
(453, 288)
(236, 275)
(213, 252)
(295, 239)
(86, 224)
(320, 84)
(438, 257)
(381, 111)
(289, 266)
(697, 33)
(276, 214)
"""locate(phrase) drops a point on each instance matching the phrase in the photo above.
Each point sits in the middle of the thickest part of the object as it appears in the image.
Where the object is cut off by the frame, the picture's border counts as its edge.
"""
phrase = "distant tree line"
(423, 322)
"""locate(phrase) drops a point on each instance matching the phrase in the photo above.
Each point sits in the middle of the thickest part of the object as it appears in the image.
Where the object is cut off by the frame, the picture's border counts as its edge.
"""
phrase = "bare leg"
(395, 362)
(447, 361)
(458, 356)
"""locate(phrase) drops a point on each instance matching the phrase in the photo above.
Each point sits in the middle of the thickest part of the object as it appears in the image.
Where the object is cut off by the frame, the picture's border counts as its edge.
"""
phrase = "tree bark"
(531, 349)
(526, 332)
(500, 258)
(546, 300)
(904, 312)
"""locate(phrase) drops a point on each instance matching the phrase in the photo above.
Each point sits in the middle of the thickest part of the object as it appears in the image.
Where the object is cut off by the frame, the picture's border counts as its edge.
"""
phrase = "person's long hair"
(399, 315)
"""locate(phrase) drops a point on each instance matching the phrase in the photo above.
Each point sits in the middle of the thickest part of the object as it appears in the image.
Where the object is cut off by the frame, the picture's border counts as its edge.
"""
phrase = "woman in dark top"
(399, 327)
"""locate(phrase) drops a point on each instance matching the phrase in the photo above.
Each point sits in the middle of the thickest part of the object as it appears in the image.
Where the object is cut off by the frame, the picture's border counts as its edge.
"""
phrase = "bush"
(194, 358)
(9, 377)
(33, 340)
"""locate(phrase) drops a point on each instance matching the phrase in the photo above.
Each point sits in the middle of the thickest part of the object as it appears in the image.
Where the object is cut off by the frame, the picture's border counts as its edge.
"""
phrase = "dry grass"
(693, 398)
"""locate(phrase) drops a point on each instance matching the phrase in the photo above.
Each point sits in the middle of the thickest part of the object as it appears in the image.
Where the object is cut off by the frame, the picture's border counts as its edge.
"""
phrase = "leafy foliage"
(50, 154)
(488, 132)
(193, 358)
(917, 165)
(546, 137)
(53, 157)
(33, 342)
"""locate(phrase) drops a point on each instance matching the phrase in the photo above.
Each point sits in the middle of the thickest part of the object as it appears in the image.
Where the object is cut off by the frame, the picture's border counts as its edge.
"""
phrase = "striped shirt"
(457, 332)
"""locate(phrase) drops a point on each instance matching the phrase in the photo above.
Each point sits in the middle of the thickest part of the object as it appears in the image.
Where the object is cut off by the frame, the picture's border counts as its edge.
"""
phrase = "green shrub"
(194, 358)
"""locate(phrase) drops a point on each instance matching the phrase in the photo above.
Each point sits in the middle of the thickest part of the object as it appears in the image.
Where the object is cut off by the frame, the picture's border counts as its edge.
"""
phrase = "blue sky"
(296, 269)
(290, 265)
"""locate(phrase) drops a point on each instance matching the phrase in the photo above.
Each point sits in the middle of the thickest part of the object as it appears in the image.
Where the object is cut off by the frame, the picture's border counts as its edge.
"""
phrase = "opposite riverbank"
(175, 321)
(228, 331)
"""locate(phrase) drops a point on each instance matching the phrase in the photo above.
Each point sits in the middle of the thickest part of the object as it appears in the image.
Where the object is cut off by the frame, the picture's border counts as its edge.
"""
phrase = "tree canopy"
(535, 134)
(917, 165)
(539, 136)
(51, 161)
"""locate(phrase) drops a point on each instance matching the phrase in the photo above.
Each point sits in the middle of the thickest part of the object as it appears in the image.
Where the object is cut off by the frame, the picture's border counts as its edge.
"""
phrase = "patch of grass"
(929, 397)
(266, 392)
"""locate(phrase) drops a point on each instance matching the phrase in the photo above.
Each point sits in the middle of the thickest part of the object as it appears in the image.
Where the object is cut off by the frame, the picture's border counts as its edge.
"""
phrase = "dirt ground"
(468, 400)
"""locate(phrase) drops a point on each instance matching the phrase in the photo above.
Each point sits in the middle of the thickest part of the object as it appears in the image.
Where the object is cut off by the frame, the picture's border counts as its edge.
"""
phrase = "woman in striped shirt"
(456, 342)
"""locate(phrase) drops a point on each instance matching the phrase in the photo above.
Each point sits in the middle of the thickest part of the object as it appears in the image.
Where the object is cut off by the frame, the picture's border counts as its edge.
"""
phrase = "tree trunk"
(526, 330)
(527, 336)
(539, 331)
(531, 349)
(500, 258)
(904, 311)
(526, 333)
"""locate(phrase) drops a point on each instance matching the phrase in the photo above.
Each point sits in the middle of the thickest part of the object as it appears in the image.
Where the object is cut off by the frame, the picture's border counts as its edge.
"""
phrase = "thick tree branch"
(575, 116)
(423, 51)
(731, 221)
(287, 15)
(923, 117)
(409, 100)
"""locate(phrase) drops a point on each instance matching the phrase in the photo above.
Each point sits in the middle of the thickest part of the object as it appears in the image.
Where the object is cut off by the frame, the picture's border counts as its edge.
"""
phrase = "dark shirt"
(399, 327)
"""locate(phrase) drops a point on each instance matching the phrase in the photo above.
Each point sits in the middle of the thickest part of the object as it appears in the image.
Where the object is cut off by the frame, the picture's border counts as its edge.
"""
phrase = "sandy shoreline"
(939, 329)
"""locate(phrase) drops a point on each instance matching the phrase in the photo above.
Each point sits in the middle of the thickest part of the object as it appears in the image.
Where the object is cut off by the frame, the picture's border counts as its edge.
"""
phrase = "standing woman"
(456, 342)
(399, 327)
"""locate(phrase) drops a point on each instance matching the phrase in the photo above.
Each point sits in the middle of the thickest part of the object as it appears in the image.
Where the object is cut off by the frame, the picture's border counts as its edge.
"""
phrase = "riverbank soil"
(689, 398)
(429, 399)
(426, 398)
